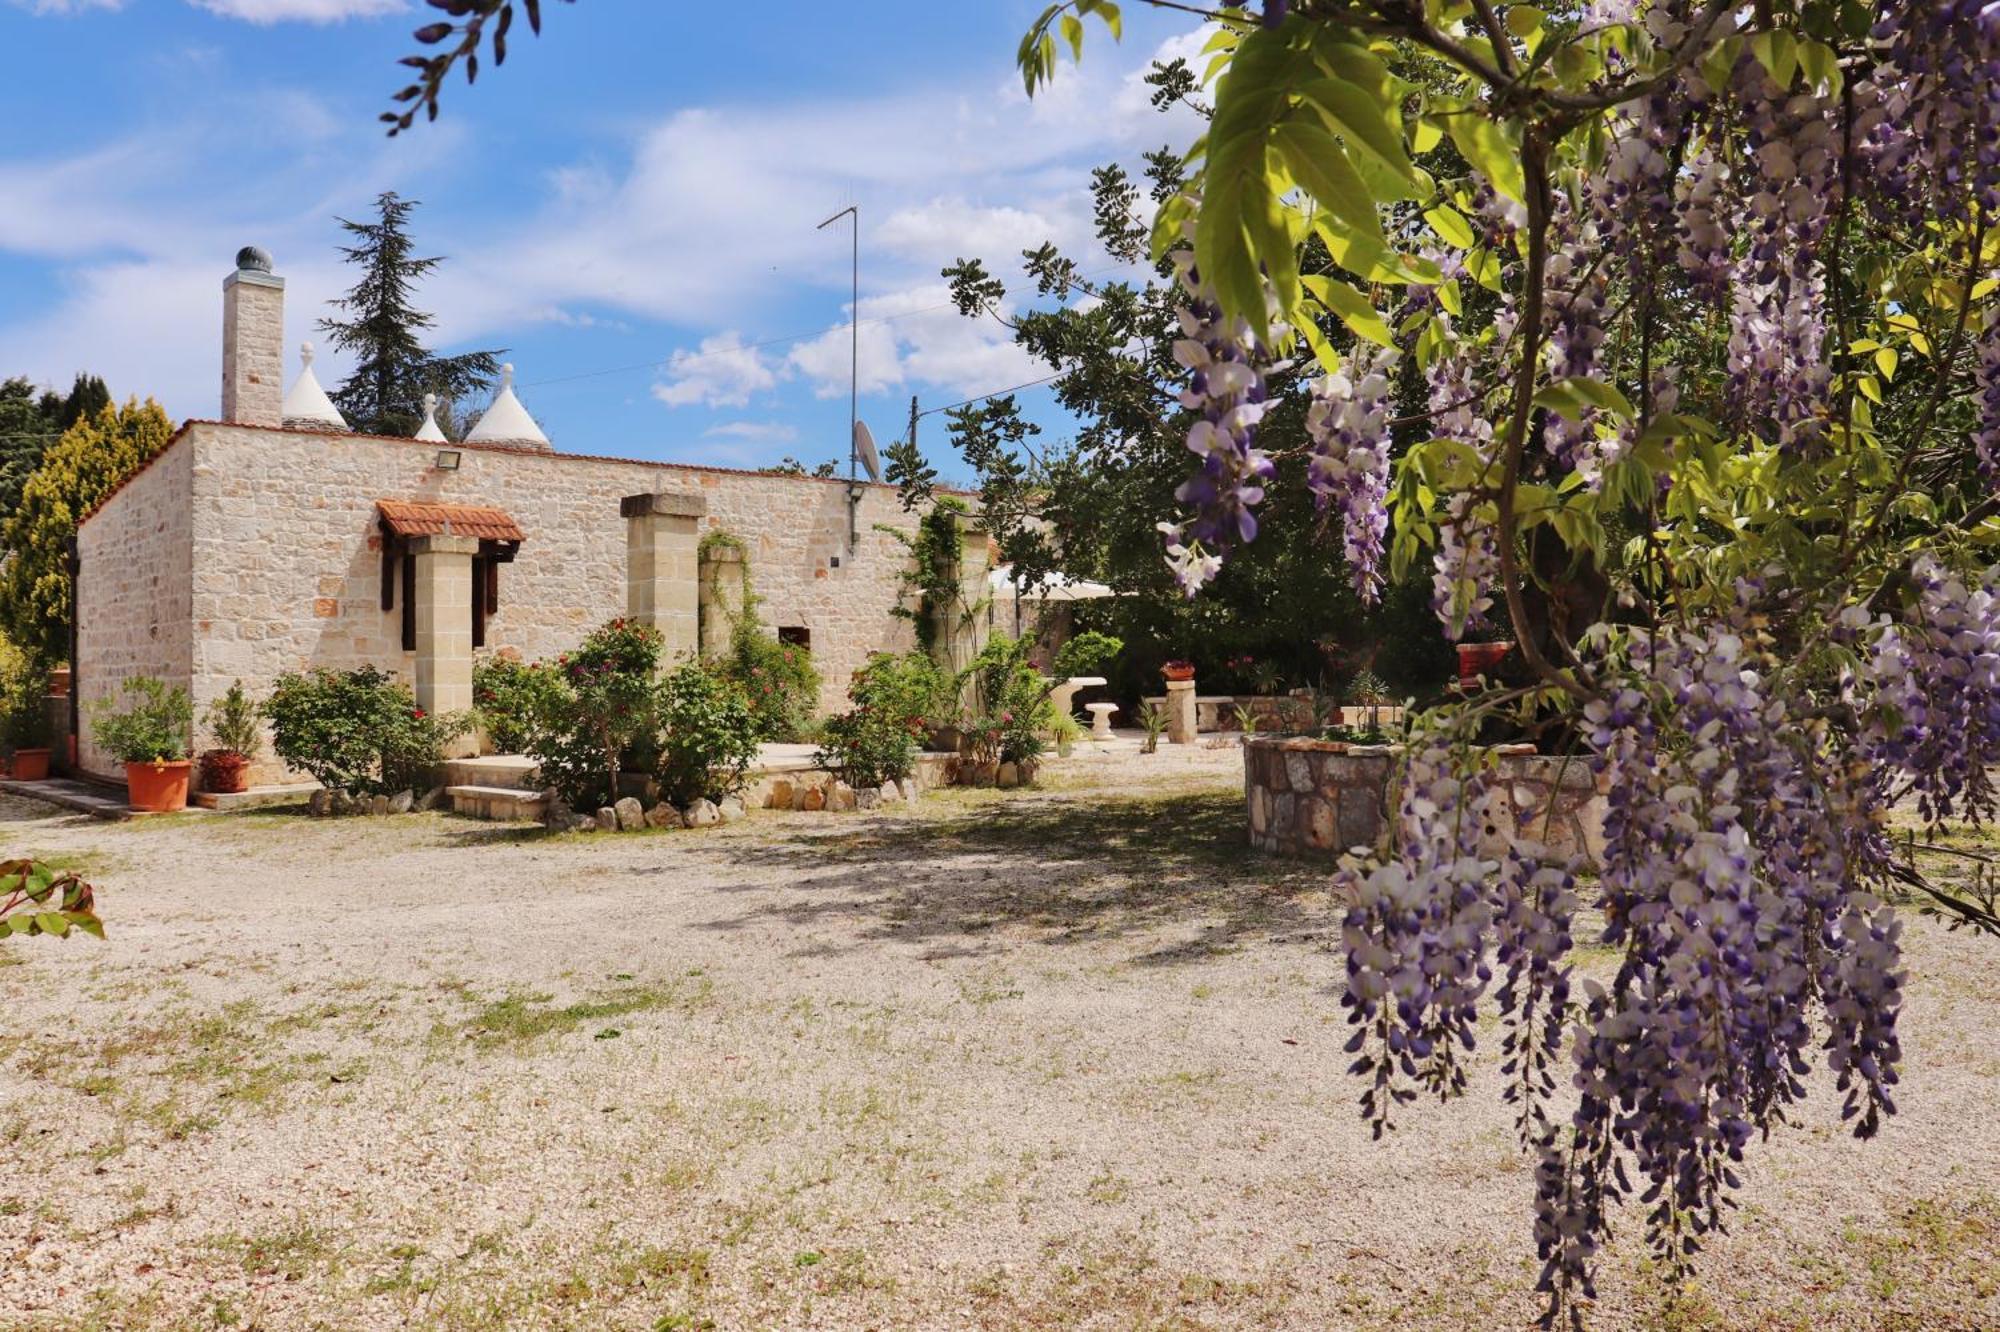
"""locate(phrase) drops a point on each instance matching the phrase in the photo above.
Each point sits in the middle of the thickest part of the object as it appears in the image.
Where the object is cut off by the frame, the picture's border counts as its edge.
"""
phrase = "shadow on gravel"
(1064, 869)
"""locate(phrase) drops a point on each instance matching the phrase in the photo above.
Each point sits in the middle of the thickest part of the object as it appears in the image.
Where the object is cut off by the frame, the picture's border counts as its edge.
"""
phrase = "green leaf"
(1489, 149)
(1237, 192)
(1072, 31)
(1353, 309)
(52, 922)
(1357, 118)
(1570, 398)
(1451, 226)
(1523, 20)
(1821, 65)
(1778, 53)
(1368, 258)
(1317, 161)
(1484, 266)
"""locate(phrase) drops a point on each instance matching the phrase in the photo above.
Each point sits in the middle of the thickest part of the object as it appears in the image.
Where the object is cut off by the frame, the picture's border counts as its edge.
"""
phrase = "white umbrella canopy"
(1058, 587)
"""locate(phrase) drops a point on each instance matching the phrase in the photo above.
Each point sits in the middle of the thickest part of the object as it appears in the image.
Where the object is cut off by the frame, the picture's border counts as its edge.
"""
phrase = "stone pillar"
(1180, 712)
(253, 342)
(723, 577)
(443, 605)
(662, 567)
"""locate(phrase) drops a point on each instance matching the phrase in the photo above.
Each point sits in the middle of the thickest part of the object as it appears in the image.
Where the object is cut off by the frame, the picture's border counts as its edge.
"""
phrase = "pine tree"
(29, 425)
(80, 469)
(393, 369)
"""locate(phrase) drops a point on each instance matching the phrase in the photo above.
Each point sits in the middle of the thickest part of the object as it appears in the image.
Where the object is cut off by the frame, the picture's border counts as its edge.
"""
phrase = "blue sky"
(627, 206)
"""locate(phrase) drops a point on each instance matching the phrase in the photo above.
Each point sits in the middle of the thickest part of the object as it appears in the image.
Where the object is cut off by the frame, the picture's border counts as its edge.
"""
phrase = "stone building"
(274, 539)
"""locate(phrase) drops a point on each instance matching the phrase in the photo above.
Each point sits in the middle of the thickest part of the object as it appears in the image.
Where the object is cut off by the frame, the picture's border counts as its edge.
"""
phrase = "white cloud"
(723, 373)
(706, 222)
(266, 12)
(753, 432)
(915, 337)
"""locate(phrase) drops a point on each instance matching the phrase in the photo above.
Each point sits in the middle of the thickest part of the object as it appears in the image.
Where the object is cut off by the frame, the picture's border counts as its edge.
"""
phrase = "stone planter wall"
(1317, 798)
(1274, 713)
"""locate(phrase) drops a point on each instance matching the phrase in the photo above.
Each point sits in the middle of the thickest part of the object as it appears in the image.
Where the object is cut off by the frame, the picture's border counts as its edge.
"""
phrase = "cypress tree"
(382, 328)
(29, 425)
(79, 470)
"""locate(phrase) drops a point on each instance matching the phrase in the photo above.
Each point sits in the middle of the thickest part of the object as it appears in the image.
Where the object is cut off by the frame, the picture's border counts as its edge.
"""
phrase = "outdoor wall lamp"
(447, 460)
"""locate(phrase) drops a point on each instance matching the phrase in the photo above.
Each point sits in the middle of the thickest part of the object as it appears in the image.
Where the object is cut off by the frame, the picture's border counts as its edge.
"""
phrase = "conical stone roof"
(306, 405)
(507, 421)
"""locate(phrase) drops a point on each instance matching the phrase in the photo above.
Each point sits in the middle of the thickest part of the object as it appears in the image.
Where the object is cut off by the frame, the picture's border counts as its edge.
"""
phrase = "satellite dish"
(864, 449)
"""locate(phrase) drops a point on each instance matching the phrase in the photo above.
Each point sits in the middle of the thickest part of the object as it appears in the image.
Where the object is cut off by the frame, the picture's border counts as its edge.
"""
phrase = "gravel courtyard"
(1056, 1059)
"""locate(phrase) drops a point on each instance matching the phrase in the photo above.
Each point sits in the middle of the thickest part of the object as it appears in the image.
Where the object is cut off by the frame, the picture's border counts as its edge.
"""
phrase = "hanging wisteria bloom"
(1226, 388)
(1986, 430)
(1466, 562)
(1348, 423)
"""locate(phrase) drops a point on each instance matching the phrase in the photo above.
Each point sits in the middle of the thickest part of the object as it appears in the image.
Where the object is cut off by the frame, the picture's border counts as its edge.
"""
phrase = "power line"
(994, 394)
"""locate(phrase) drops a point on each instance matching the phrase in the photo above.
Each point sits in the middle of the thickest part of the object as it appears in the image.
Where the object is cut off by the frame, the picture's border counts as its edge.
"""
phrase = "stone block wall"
(135, 594)
(1319, 798)
(285, 551)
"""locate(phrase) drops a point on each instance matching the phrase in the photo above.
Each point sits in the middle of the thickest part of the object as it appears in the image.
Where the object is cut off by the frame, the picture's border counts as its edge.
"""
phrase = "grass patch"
(522, 1017)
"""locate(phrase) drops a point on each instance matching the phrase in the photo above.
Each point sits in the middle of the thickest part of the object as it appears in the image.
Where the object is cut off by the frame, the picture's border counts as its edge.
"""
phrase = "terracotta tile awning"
(466, 520)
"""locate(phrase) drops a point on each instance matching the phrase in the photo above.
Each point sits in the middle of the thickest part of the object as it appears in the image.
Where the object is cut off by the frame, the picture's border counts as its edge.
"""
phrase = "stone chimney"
(253, 342)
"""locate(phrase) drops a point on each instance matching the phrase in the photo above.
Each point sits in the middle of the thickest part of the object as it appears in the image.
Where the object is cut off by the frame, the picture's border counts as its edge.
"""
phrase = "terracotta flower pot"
(31, 765)
(1178, 670)
(159, 787)
(222, 771)
(1476, 659)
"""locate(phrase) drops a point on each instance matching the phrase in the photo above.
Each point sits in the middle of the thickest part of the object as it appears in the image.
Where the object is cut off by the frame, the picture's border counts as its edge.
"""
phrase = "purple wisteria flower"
(1224, 362)
(1348, 423)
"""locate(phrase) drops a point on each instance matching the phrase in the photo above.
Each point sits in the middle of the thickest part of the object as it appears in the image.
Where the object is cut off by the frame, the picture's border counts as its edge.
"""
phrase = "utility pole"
(853, 382)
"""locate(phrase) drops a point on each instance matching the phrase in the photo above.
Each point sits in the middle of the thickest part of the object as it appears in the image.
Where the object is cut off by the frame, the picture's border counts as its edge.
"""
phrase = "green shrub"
(777, 679)
(24, 709)
(155, 727)
(358, 732)
(508, 696)
(707, 735)
(1010, 700)
(600, 704)
(896, 701)
(1088, 653)
(232, 723)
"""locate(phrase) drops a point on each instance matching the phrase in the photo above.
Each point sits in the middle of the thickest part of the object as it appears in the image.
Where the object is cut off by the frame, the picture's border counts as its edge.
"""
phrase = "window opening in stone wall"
(797, 635)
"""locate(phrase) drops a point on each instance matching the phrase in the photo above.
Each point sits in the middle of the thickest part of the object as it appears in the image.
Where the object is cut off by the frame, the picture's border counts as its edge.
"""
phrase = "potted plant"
(26, 724)
(232, 723)
(1477, 659)
(1178, 670)
(150, 737)
(1067, 731)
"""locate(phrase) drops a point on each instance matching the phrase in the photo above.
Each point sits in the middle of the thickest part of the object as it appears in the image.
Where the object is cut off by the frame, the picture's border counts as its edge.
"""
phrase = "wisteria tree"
(1705, 304)
(1703, 295)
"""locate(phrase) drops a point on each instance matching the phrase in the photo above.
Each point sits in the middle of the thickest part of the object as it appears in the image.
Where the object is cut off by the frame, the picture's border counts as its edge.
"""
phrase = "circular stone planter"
(157, 788)
(1318, 798)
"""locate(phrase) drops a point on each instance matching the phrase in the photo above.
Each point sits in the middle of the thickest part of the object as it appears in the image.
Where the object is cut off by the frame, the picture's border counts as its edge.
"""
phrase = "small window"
(797, 635)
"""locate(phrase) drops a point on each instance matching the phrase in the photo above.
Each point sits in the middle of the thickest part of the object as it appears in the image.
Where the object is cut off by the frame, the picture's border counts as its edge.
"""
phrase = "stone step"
(499, 804)
(514, 771)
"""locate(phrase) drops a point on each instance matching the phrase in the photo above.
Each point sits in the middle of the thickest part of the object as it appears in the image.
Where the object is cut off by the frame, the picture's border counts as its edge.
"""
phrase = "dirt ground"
(1057, 1059)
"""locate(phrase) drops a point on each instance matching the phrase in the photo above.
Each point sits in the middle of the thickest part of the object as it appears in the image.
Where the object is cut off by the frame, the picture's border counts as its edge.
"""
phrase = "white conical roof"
(306, 406)
(507, 421)
(428, 432)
